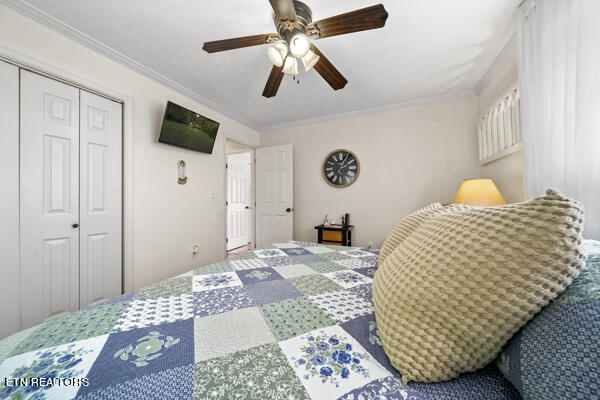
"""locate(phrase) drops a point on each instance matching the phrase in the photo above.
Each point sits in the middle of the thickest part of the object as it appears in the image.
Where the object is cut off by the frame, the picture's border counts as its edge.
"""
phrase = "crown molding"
(55, 24)
(507, 51)
(366, 111)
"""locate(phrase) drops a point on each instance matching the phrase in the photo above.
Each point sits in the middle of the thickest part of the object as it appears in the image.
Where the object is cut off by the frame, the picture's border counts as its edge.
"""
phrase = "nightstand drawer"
(332, 236)
(335, 234)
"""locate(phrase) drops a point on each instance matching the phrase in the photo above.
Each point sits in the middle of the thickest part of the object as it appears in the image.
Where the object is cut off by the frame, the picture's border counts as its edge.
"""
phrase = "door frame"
(114, 94)
(251, 148)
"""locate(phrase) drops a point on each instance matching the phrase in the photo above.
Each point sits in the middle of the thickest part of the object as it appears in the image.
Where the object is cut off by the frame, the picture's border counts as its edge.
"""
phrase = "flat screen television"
(185, 128)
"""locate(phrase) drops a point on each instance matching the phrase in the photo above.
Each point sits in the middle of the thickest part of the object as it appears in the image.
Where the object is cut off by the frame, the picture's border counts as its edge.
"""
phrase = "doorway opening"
(240, 198)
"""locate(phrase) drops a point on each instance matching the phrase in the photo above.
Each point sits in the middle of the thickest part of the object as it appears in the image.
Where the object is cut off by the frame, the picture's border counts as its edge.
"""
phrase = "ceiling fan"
(293, 20)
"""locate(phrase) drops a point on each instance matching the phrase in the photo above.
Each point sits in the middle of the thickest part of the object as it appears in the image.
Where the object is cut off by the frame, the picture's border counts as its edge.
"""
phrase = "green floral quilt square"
(85, 324)
(215, 268)
(245, 256)
(171, 287)
(325, 266)
(293, 317)
(314, 284)
(334, 255)
(258, 373)
(339, 248)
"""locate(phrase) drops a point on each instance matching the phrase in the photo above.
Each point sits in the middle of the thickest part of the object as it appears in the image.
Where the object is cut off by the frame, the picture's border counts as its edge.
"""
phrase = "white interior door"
(274, 194)
(9, 199)
(49, 198)
(100, 257)
(239, 199)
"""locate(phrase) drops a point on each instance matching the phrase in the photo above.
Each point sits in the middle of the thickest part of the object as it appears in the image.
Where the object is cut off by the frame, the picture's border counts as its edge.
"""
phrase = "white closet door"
(100, 213)
(49, 190)
(9, 199)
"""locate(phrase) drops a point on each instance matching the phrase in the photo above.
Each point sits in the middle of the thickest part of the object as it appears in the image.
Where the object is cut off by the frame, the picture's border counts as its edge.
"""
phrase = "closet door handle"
(75, 225)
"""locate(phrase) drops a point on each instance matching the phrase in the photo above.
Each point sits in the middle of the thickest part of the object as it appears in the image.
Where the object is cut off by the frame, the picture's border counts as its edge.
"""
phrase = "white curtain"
(559, 75)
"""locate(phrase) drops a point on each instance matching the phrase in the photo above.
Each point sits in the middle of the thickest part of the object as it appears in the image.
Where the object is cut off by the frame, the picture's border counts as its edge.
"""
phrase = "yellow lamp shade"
(479, 192)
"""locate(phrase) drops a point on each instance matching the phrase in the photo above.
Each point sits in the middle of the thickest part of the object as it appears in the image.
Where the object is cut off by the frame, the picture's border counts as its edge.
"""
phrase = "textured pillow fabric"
(557, 354)
(405, 227)
(453, 292)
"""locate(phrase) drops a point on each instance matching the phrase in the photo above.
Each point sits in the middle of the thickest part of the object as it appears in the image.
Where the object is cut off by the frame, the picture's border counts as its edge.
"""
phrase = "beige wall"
(167, 218)
(507, 172)
(409, 157)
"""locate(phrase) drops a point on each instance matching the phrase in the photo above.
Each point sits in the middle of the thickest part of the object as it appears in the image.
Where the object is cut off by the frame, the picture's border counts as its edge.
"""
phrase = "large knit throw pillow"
(405, 227)
(453, 292)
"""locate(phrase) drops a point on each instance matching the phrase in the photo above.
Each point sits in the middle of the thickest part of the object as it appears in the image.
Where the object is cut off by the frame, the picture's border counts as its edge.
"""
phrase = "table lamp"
(479, 192)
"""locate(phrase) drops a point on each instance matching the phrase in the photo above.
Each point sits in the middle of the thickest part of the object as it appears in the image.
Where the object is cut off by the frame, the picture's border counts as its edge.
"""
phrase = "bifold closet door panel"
(9, 199)
(49, 199)
(100, 206)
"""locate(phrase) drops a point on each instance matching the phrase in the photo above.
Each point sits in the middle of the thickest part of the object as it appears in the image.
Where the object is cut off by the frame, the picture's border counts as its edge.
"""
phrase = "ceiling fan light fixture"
(290, 66)
(277, 52)
(310, 60)
(299, 45)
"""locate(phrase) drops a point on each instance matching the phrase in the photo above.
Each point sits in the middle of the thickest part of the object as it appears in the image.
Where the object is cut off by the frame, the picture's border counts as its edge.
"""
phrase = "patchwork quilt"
(294, 321)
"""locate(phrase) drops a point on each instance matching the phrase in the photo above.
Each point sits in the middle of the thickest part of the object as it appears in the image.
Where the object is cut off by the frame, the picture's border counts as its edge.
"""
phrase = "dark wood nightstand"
(335, 234)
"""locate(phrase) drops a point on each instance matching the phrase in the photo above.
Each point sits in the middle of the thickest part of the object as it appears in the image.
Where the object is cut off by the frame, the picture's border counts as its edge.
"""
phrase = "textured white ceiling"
(428, 49)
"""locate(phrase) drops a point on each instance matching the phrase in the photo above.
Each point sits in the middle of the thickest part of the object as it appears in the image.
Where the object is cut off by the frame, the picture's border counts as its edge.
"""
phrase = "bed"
(293, 321)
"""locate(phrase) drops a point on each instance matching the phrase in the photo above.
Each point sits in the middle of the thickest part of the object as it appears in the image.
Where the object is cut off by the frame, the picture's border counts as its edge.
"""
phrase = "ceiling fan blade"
(273, 82)
(355, 21)
(326, 69)
(284, 9)
(236, 43)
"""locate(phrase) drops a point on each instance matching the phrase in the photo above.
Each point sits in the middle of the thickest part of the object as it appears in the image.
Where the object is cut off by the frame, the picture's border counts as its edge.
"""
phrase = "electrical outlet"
(195, 250)
(370, 245)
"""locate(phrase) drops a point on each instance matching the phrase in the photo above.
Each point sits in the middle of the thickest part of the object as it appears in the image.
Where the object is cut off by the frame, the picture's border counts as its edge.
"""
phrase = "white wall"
(506, 172)
(9, 198)
(167, 218)
(409, 157)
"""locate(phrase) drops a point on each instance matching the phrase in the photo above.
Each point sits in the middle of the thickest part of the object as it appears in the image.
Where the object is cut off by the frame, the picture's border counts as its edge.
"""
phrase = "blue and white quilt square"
(67, 361)
(348, 278)
(296, 251)
(215, 281)
(258, 275)
(271, 291)
(268, 253)
(307, 258)
(221, 300)
(330, 362)
(132, 354)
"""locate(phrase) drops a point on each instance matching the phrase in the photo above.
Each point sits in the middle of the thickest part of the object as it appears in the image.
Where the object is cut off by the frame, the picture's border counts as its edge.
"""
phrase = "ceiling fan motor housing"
(287, 29)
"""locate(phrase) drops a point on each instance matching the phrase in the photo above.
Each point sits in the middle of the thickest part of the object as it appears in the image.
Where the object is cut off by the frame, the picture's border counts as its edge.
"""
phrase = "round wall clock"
(340, 168)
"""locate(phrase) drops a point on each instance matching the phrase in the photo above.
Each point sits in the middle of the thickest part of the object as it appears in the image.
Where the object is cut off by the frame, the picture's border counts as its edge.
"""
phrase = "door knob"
(288, 210)
(75, 225)
(247, 207)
